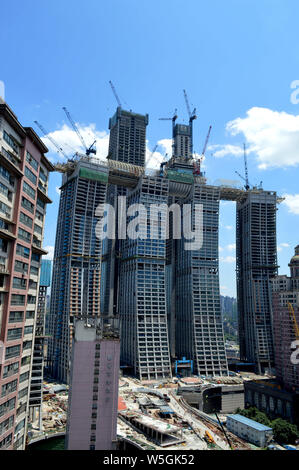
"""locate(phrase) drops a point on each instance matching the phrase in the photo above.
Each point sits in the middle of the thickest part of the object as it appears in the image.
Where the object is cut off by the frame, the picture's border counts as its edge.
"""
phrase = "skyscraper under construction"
(256, 265)
(77, 258)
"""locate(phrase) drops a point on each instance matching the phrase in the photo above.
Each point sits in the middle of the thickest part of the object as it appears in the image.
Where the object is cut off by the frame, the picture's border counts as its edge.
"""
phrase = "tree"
(284, 432)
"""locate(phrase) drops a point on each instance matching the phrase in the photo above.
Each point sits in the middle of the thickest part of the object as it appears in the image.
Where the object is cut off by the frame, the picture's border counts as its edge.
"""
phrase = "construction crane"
(196, 170)
(206, 142)
(295, 324)
(247, 185)
(173, 119)
(46, 134)
(192, 116)
(152, 154)
(89, 150)
(115, 94)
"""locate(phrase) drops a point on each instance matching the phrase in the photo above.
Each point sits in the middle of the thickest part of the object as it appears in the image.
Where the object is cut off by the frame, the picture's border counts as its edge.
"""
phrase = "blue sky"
(236, 59)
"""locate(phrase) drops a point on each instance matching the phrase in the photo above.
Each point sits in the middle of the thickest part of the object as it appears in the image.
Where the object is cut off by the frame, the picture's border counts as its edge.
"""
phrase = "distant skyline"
(236, 60)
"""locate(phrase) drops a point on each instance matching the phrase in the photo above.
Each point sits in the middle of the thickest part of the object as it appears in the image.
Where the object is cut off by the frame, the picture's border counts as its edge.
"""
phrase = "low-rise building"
(249, 430)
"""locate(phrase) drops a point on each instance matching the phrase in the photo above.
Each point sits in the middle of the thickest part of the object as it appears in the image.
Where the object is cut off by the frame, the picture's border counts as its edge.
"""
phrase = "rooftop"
(250, 422)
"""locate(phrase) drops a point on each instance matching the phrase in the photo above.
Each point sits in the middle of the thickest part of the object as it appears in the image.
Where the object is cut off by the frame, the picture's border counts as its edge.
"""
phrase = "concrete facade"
(256, 265)
(93, 396)
(24, 172)
(77, 259)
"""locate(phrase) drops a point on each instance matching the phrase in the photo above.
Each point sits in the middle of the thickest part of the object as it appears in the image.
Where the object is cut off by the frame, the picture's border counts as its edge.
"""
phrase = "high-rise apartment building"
(285, 292)
(77, 258)
(194, 314)
(37, 376)
(127, 141)
(256, 265)
(142, 288)
(93, 394)
(24, 172)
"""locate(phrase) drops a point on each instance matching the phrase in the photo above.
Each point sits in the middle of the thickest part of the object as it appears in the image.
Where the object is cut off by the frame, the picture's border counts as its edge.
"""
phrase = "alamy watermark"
(295, 94)
(295, 354)
(151, 221)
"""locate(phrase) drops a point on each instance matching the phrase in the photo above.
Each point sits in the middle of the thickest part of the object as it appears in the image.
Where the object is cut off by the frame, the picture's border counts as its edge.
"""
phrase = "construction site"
(151, 416)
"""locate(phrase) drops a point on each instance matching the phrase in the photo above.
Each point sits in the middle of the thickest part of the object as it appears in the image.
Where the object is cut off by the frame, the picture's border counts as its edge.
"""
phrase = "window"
(26, 220)
(29, 314)
(3, 245)
(28, 190)
(32, 284)
(31, 176)
(6, 441)
(43, 176)
(40, 203)
(24, 235)
(31, 161)
(24, 377)
(23, 393)
(14, 333)
(34, 270)
(27, 345)
(19, 283)
(5, 209)
(7, 406)
(35, 257)
(11, 369)
(21, 267)
(23, 251)
(28, 330)
(27, 205)
(17, 299)
(38, 229)
(7, 175)
(10, 387)
(12, 351)
(10, 141)
(15, 317)
(6, 424)
(31, 299)
(4, 190)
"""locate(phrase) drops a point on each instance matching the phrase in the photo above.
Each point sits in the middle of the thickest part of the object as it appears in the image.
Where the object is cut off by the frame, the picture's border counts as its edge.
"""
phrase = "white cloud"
(220, 249)
(67, 139)
(281, 246)
(227, 259)
(231, 247)
(292, 203)
(273, 136)
(50, 250)
(220, 151)
(57, 189)
(228, 227)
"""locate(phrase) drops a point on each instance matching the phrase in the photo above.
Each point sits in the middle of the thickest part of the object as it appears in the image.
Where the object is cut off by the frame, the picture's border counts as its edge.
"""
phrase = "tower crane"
(247, 185)
(192, 116)
(89, 150)
(46, 134)
(197, 164)
(173, 119)
(295, 324)
(115, 94)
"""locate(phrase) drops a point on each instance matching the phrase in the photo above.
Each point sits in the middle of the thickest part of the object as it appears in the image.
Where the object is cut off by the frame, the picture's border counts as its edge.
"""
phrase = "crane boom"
(187, 103)
(115, 94)
(74, 127)
(295, 325)
(246, 169)
(46, 134)
(206, 141)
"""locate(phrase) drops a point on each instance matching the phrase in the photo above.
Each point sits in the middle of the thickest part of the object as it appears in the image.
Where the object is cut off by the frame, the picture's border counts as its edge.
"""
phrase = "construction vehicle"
(209, 437)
